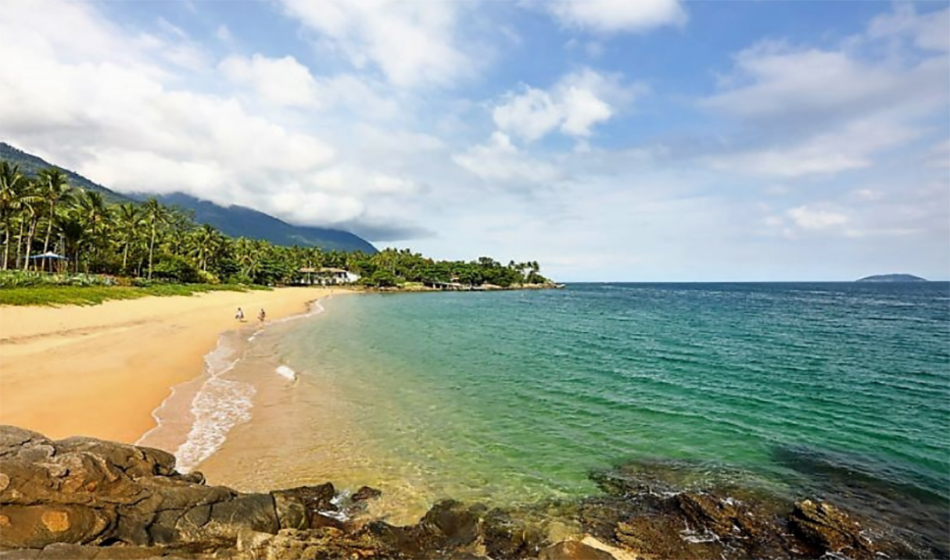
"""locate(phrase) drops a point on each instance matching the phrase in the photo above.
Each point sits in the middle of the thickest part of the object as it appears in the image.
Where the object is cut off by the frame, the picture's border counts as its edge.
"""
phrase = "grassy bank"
(91, 295)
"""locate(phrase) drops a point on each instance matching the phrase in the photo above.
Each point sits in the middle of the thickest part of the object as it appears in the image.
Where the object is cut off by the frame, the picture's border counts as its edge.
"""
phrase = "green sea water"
(838, 390)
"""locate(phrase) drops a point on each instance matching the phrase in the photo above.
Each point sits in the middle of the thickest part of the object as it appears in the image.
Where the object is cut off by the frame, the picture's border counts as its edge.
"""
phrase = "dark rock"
(454, 524)
(829, 529)
(506, 538)
(573, 550)
(365, 493)
(253, 511)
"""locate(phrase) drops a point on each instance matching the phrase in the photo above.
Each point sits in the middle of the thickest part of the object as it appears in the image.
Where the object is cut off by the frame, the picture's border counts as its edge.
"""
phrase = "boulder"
(87, 491)
(829, 529)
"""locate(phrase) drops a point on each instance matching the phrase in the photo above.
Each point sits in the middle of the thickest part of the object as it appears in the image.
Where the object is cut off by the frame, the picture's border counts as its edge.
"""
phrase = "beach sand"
(101, 370)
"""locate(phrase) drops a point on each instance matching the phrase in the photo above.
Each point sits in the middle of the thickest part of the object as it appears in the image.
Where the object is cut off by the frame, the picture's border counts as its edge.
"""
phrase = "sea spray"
(287, 372)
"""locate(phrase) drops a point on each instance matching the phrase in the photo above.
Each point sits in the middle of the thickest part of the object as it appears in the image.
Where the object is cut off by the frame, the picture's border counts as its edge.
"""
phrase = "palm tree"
(205, 242)
(74, 235)
(129, 222)
(94, 216)
(12, 189)
(54, 187)
(31, 202)
(155, 215)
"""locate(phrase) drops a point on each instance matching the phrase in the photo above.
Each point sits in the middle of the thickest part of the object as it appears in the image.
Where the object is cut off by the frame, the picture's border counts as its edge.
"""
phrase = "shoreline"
(103, 370)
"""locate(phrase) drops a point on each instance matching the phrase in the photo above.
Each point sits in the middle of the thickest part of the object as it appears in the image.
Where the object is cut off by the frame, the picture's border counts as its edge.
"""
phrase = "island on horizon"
(892, 278)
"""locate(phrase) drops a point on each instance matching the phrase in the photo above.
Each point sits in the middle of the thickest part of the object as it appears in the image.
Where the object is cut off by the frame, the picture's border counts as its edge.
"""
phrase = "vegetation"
(90, 295)
(164, 244)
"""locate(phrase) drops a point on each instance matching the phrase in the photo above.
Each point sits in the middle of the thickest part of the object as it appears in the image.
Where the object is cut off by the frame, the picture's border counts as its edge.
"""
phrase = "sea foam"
(287, 372)
(219, 405)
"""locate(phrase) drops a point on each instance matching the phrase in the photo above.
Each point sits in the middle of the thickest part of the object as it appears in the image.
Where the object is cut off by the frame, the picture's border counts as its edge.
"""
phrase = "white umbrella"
(49, 255)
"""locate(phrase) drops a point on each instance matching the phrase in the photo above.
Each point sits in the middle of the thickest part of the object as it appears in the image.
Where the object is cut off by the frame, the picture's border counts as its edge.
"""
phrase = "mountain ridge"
(236, 221)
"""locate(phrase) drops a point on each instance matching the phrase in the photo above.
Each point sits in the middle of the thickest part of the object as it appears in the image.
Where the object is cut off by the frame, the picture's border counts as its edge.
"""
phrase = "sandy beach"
(101, 370)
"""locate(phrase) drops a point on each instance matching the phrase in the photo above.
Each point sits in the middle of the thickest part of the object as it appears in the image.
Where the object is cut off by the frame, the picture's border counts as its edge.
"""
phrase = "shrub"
(175, 268)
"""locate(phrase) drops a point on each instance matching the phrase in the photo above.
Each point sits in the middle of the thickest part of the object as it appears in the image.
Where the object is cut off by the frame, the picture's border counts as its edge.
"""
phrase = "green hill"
(236, 221)
(240, 221)
(30, 165)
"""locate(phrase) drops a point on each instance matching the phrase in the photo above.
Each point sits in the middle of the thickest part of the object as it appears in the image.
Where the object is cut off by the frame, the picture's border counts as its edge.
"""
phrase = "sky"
(610, 140)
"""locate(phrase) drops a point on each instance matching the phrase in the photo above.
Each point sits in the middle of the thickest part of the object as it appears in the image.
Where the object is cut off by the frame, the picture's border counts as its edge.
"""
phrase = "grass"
(54, 295)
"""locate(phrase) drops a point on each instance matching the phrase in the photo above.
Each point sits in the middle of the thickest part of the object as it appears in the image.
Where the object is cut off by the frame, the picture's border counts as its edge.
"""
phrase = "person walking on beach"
(261, 316)
(239, 315)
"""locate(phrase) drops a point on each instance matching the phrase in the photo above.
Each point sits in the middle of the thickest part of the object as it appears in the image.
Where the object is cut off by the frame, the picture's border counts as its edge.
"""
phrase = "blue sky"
(609, 140)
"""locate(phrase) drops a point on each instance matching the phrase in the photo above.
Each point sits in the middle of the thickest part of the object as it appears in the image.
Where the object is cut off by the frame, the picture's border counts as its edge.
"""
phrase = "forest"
(148, 242)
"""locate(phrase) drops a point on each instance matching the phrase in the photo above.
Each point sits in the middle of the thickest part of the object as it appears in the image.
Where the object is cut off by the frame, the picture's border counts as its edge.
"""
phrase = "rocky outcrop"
(86, 498)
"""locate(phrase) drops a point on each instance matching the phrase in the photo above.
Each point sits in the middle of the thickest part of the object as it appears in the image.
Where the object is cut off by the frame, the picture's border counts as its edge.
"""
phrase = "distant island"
(892, 278)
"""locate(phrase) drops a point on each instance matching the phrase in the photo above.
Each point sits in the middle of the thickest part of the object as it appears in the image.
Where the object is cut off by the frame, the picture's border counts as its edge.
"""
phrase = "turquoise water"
(839, 390)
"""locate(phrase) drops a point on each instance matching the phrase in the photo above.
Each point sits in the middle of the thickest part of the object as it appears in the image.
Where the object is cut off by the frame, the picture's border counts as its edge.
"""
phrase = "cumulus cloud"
(617, 15)
(816, 219)
(282, 81)
(102, 101)
(411, 43)
(498, 160)
(806, 110)
(574, 105)
(849, 148)
(928, 32)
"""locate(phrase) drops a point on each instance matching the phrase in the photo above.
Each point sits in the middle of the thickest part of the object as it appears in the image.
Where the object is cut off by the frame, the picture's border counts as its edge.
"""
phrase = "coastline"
(102, 370)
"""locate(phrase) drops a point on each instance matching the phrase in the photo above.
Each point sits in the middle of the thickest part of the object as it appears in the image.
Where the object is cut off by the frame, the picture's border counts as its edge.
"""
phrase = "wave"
(219, 405)
(287, 372)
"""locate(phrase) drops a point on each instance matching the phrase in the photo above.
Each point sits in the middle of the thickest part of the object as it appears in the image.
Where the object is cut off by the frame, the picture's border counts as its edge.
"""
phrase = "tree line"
(43, 213)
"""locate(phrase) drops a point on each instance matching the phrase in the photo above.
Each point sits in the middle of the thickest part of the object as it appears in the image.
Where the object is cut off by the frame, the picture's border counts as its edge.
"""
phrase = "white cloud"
(412, 43)
(574, 105)
(812, 111)
(772, 80)
(500, 161)
(281, 81)
(930, 32)
(617, 15)
(816, 219)
(849, 148)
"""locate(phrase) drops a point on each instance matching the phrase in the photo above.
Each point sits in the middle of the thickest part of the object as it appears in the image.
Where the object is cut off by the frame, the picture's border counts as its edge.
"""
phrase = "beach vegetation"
(76, 237)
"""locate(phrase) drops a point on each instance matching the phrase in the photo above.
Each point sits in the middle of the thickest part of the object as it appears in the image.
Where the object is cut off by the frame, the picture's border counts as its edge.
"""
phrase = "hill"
(30, 165)
(240, 221)
(892, 278)
(236, 221)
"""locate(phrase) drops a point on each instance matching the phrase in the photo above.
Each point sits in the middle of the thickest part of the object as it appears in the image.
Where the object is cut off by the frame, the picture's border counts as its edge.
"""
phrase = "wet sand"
(101, 370)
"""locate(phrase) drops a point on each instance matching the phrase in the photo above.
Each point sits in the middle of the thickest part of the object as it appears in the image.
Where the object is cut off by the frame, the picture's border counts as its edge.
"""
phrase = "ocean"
(833, 390)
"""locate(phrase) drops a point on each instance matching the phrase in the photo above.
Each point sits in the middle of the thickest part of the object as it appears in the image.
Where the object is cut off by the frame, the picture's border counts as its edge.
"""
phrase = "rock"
(454, 525)
(573, 550)
(40, 525)
(829, 529)
(365, 493)
(87, 491)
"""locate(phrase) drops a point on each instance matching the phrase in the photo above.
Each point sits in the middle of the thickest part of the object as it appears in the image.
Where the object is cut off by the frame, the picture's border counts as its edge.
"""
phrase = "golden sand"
(101, 370)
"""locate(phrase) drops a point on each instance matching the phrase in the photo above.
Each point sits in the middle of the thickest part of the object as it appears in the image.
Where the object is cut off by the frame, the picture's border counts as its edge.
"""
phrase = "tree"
(129, 223)
(94, 215)
(12, 189)
(54, 188)
(155, 216)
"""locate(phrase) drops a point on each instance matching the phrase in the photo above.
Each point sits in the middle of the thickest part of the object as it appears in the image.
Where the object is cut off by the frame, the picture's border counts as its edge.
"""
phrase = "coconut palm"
(12, 189)
(129, 222)
(204, 243)
(155, 216)
(31, 205)
(54, 188)
(94, 215)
